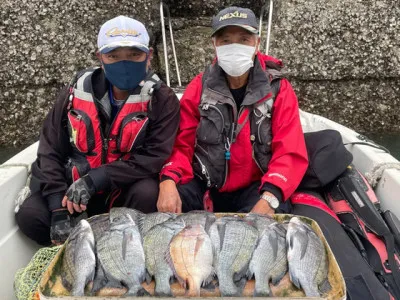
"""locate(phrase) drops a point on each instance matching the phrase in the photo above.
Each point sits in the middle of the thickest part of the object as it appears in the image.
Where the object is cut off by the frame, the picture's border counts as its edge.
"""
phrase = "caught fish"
(79, 259)
(269, 261)
(99, 224)
(152, 219)
(261, 222)
(191, 256)
(213, 232)
(156, 247)
(308, 263)
(237, 243)
(136, 215)
(121, 254)
(201, 217)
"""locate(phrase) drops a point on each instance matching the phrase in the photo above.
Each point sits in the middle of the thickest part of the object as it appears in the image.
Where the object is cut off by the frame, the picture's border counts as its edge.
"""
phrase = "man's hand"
(262, 207)
(78, 194)
(60, 226)
(168, 198)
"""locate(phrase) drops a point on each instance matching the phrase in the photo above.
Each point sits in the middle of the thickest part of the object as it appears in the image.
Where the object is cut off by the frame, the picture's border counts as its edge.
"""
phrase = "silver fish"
(213, 232)
(261, 222)
(191, 256)
(238, 241)
(79, 259)
(136, 215)
(201, 217)
(152, 219)
(308, 263)
(99, 224)
(269, 261)
(156, 247)
(121, 254)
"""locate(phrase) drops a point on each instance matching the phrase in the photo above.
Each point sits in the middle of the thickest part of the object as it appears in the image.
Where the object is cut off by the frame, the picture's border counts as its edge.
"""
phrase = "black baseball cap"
(235, 16)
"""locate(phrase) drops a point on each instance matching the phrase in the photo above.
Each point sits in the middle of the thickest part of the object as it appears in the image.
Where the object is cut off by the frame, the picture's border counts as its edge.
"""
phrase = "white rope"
(25, 192)
(377, 171)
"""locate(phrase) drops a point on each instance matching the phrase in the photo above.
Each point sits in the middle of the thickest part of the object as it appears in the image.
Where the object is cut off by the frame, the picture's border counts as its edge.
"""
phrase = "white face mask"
(235, 59)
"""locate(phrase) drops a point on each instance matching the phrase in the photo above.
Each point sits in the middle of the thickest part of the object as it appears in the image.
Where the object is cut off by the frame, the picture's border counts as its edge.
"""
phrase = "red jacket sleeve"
(179, 165)
(289, 159)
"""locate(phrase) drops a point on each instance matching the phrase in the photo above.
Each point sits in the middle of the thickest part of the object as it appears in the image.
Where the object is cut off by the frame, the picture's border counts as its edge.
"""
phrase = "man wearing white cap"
(104, 142)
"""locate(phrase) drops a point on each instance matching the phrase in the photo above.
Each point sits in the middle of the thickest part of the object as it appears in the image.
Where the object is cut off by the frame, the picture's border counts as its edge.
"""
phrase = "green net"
(27, 279)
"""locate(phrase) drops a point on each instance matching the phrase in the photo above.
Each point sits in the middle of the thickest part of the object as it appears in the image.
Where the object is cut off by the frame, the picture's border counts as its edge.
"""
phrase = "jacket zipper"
(268, 115)
(232, 136)
(204, 170)
(255, 160)
(81, 116)
(206, 106)
(106, 139)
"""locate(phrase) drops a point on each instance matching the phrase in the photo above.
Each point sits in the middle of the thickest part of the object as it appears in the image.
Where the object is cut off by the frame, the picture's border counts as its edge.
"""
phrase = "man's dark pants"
(34, 217)
(242, 200)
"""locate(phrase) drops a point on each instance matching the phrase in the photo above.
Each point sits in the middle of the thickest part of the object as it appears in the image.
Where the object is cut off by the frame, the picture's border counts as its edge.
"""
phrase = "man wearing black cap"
(240, 136)
(105, 140)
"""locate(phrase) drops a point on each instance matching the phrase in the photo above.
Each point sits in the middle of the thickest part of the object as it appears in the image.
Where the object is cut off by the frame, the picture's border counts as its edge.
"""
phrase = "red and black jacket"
(133, 146)
(288, 161)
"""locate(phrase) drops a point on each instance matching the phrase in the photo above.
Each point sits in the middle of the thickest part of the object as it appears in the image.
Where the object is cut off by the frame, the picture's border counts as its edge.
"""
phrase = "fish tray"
(51, 288)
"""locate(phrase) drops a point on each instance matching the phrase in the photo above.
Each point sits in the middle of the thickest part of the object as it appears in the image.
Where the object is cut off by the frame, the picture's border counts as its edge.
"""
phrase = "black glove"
(81, 191)
(62, 223)
(60, 226)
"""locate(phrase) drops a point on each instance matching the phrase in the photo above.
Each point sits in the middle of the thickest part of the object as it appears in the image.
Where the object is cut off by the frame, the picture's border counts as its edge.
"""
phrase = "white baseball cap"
(122, 32)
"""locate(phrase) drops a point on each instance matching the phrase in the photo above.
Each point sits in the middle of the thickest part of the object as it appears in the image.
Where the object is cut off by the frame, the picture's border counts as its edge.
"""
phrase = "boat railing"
(270, 4)
(165, 7)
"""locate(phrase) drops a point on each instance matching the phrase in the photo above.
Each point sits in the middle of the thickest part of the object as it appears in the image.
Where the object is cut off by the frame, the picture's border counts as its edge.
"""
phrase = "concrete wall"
(342, 56)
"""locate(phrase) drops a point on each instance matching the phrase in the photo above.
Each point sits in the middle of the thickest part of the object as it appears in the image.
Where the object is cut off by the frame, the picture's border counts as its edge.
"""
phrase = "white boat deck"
(16, 250)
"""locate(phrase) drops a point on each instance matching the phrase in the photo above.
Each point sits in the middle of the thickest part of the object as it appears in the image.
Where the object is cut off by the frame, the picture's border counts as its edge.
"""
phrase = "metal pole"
(271, 7)
(261, 19)
(164, 42)
(173, 45)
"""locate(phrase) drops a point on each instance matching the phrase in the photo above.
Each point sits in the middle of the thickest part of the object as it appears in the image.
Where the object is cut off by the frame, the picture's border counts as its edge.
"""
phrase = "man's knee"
(143, 195)
(34, 220)
(192, 195)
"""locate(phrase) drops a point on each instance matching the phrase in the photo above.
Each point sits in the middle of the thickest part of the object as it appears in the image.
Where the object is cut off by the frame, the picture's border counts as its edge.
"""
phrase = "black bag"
(357, 206)
(361, 282)
(328, 158)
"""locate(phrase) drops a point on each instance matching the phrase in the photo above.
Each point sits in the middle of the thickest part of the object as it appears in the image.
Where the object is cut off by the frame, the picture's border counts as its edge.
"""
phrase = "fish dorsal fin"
(244, 272)
(273, 240)
(294, 279)
(148, 277)
(325, 286)
(290, 242)
(221, 232)
(124, 244)
(303, 239)
(140, 223)
(168, 259)
(209, 221)
(127, 236)
(209, 278)
(199, 243)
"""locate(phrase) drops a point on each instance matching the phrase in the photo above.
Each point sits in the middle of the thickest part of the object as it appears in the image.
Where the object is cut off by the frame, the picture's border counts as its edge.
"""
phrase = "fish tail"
(325, 286)
(136, 290)
(163, 288)
(227, 286)
(261, 288)
(311, 291)
(194, 287)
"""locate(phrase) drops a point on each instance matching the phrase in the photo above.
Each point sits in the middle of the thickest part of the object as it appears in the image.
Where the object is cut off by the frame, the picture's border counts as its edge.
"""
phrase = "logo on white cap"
(122, 32)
